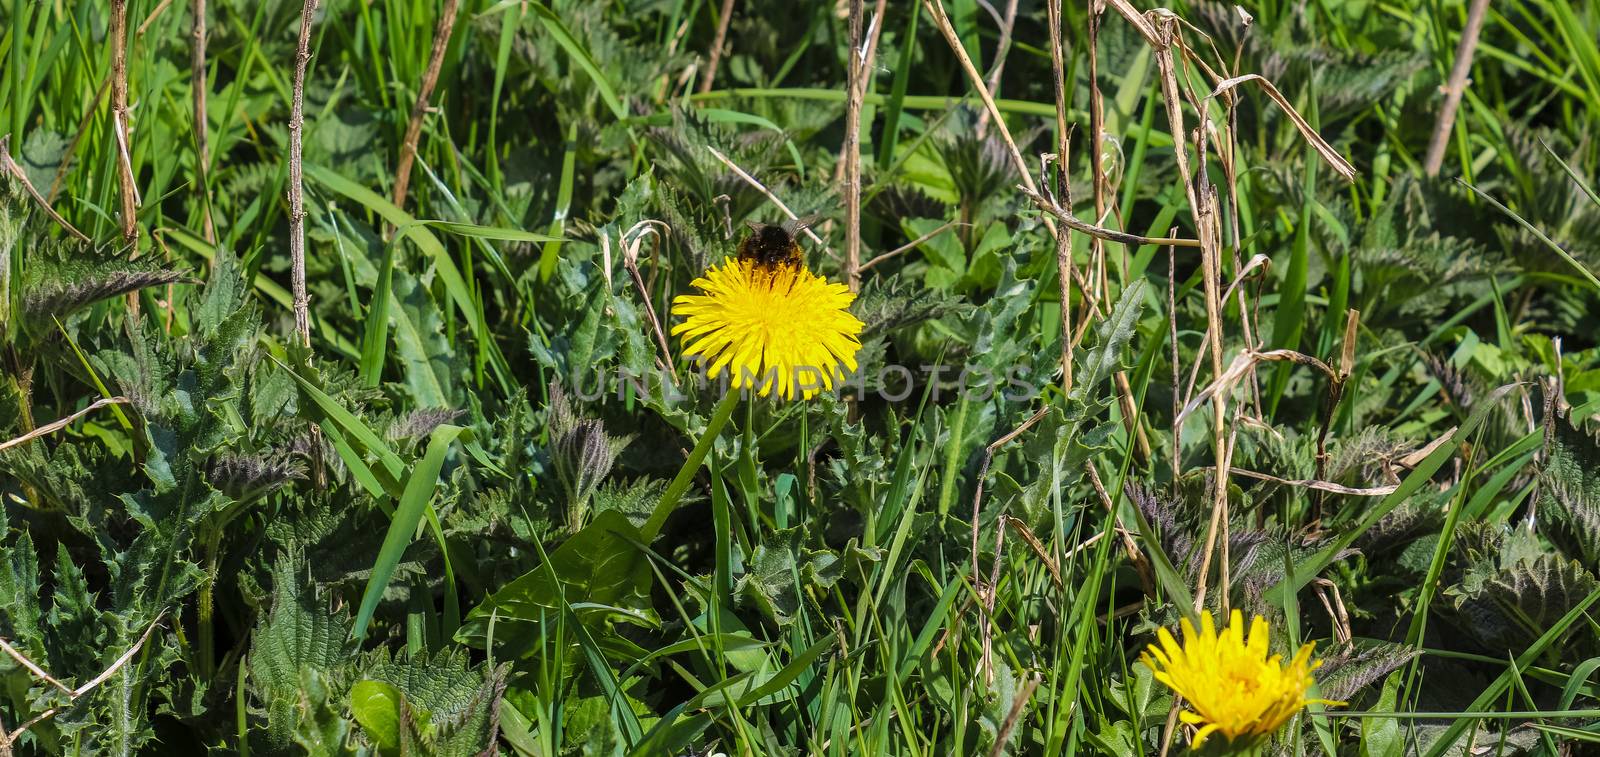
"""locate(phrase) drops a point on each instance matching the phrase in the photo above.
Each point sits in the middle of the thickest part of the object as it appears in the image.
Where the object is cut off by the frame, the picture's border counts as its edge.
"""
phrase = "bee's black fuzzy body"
(770, 247)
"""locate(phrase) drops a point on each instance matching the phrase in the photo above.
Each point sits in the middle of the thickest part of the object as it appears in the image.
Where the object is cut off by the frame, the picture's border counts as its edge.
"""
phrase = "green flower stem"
(680, 483)
(205, 609)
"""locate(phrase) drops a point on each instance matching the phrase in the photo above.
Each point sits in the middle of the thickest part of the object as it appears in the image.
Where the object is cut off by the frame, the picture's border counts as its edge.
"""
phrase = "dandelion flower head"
(777, 328)
(1230, 683)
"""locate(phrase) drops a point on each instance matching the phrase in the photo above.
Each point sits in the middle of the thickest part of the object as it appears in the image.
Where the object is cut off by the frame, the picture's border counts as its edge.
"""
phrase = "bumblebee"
(773, 246)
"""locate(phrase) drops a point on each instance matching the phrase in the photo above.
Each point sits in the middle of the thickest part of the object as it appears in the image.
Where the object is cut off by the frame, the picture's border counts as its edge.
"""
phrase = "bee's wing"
(796, 225)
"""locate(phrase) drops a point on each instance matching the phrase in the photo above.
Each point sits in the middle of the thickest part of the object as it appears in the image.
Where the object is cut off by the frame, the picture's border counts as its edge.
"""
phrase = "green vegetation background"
(409, 539)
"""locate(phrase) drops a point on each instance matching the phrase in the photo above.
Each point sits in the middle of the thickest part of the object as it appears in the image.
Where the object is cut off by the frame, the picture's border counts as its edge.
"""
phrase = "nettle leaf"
(1569, 487)
(781, 568)
(419, 340)
(300, 652)
(1347, 669)
(887, 303)
(599, 565)
(57, 288)
(20, 615)
(452, 707)
(319, 726)
(1513, 589)
(58, 275)
(76, 629)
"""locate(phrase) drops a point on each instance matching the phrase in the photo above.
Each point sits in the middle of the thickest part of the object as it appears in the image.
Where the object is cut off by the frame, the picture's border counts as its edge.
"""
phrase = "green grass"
(432, 533)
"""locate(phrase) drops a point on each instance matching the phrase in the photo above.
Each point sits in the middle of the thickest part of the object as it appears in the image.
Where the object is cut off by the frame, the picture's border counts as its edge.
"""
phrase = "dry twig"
(57, 425)
(119, 115)
(762, 188)
(9, 166)
(197, 87)
(73, 695)
(297, 209)
(710, 74)
(430, 78)
(1455, 87)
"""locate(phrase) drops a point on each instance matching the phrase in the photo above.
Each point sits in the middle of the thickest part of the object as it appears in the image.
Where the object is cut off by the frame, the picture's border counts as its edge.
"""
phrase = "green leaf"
(350, 424)
(1382, 737)
(420, 342)
(449, 274)
(294, 639)
(1413, 482)
(752, 689)
(598, 565)
(376, 706)
(414, 501)
(580, 56)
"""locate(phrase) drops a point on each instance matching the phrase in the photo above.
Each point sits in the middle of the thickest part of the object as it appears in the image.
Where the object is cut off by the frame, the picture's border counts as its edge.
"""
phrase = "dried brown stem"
(1065, 268)
(907, 247)
(1455, 87)
(1099, 232)
(1017, 525)
(1177, 368)
(985, 592)
(762, 188)
(710, 75)
(119, 115)
(202, 146)
(430, 79)
(9, 166)
(57, 425)
(942, 20)
(1320, 486)
(90, 109)
(1325, 150)
(1018, 705)
(73, 695)
(857, 89)
(77, 138)
(630, 260)
(154, 14)
(297, 209)
(1008, 24)
(1097, 136)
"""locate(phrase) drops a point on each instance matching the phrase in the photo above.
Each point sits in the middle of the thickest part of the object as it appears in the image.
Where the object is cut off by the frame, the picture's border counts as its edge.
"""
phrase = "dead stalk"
(1018, 705)
(297, 210)
(986, 592)
(202, 147)
(1051, 207)
(54, 426)
(1455, 87)
(710, 74)
(1097, 136)
(73, 695)
(942, 20)
(430, 78)
(1065, 268)
(762, 188)
(907, 247)
(9, 166)
(1177, 367)
(857, 90)
(119, 115)
(1008, 24)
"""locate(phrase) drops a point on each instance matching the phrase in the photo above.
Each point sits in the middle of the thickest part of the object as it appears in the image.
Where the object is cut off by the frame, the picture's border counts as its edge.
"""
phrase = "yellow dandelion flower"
(1230, 683)
(774, 327)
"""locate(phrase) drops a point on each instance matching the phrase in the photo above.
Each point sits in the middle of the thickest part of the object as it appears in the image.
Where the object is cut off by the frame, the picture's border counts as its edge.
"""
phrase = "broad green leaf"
(376, 706)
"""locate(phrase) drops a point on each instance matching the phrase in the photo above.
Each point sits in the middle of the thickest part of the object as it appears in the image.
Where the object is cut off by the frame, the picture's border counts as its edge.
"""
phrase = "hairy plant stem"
(205, 608)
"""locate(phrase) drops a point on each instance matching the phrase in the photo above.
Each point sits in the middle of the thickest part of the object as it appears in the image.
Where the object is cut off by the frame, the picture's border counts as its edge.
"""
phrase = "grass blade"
(414, 501)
